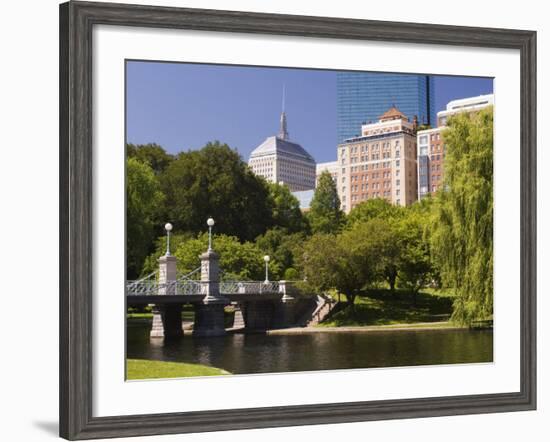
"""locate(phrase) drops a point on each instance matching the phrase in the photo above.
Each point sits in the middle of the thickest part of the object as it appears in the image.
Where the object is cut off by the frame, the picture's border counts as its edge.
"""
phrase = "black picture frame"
(76, 243)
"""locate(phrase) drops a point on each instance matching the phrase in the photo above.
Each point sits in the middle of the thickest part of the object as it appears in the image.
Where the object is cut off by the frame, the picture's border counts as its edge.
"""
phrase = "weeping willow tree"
(462, 232)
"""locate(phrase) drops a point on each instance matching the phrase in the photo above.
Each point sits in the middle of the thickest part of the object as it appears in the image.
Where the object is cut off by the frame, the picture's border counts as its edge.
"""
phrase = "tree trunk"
(391, 277)
(351, 303)
(392, 284)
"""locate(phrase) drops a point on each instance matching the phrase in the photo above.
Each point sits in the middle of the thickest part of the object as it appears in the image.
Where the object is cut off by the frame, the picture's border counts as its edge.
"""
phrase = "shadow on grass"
(381, 307)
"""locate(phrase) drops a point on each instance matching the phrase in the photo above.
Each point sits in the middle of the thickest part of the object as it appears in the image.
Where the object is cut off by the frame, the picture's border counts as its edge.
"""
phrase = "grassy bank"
(142, 369)
(417, 326)
(382, 307)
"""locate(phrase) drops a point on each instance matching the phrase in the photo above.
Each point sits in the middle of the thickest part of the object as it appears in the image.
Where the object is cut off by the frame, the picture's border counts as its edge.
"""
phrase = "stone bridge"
(259, 305)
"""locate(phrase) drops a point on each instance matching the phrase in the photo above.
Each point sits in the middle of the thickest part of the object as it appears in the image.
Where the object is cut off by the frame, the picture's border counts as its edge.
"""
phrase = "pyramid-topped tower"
(282, 161)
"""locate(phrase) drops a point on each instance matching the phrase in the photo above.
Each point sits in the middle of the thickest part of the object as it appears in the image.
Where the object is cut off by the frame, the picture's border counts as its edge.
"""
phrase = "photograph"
(295, 219)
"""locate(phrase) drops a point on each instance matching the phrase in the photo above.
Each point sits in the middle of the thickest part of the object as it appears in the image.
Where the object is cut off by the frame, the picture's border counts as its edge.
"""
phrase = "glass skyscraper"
(363, 96)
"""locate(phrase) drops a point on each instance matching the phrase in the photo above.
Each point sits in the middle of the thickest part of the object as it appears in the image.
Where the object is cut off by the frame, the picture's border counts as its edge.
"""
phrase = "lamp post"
(168, 228)
(210, 223)
(266, 260)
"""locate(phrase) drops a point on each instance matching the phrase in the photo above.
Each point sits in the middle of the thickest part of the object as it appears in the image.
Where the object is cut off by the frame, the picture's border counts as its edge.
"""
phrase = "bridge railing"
(190, 287)
(143, 288)
(154, 288)
(248, 287)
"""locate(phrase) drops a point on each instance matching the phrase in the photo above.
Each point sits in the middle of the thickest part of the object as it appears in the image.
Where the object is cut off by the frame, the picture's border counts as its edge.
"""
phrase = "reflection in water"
(257, 353)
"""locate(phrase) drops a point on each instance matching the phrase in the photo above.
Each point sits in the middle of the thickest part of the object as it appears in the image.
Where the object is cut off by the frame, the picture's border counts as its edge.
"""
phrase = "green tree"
(415, 265)
(382, 220)
(240, 261)
(291, 274)
(151, 154)
(243, 261)
(151, 263)
(282, 248)
(144, 201)
(285, 209)
(462, 231)
(374, 208)
(214, 181)
(325, 215)
(342, 262)
(385, 241)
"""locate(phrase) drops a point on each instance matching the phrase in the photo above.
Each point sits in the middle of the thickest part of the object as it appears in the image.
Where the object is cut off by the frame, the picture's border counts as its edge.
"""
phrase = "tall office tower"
(282, 161)
(363, 96)
(380, 163)
(431, 146)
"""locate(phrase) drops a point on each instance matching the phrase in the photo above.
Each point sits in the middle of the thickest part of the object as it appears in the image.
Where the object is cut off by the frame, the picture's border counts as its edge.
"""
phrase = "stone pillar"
(286, 310)
(167, 321)
(167, 274)
(238, 321)
(287, 290)
(209, 315)
(157, 330)
(167, 317)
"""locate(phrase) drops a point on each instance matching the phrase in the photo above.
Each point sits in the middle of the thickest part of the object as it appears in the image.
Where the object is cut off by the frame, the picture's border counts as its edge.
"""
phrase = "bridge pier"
(209, 315)
(238, 320)
(258, 315)
(209, 320)
(167, 321)
(167, 317)
(285, 315)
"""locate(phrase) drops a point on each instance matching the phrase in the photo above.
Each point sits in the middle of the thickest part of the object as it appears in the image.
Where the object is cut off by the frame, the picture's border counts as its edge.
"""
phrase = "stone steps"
(325, 305)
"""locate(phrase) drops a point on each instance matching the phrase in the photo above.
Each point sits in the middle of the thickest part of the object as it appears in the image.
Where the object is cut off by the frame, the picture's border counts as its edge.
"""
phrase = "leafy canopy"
(462, 230)
(144, 202)
(152, 154)
(243, 261)
(325, 215)
(285, 209)
(215, 182)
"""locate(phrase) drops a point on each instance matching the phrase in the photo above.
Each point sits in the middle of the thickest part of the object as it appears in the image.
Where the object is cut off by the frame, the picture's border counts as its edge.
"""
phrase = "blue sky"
(183, 106)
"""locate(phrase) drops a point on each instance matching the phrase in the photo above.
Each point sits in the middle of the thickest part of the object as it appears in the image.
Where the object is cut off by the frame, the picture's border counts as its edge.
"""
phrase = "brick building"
(380, 163)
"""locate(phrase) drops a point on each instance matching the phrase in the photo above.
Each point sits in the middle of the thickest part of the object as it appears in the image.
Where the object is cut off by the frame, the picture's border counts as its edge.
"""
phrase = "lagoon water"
(260, 353)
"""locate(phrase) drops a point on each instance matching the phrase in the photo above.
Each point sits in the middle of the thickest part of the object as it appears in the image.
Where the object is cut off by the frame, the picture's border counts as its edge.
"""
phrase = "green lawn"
(142, 369)
(381, 307)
